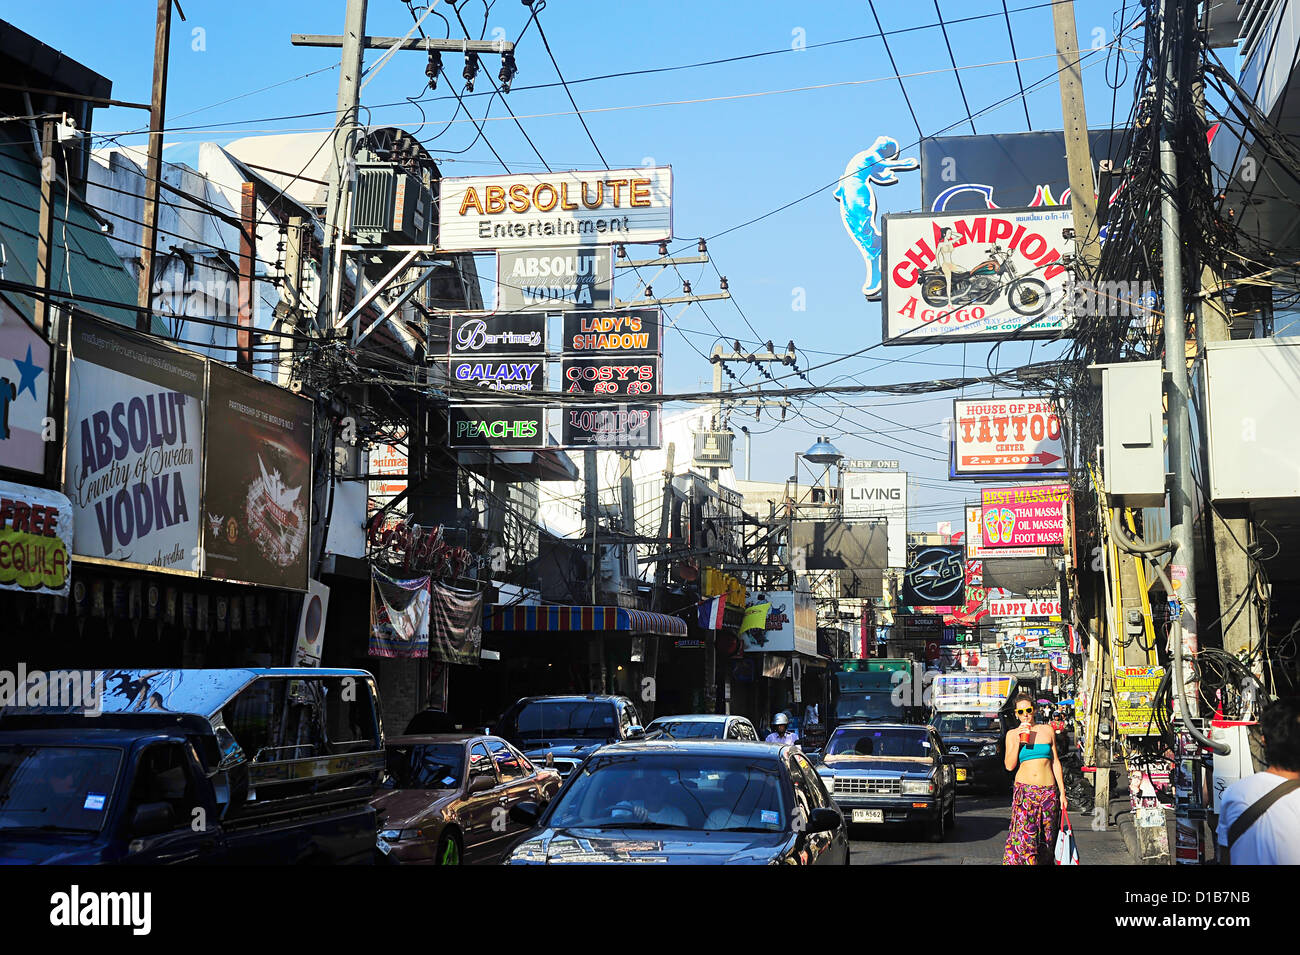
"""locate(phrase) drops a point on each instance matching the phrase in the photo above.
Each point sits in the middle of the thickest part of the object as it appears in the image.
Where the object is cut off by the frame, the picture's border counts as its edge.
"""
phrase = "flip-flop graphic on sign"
(999, 524)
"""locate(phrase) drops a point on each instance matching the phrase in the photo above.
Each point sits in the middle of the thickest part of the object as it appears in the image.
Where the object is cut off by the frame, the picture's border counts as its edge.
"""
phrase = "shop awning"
(577, 619)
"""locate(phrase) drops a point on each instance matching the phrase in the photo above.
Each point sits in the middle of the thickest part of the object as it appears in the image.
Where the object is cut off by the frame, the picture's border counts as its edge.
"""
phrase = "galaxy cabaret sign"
(974, 276)
(1007, 437)
(133, 469)
(550, 209)
(499, 374)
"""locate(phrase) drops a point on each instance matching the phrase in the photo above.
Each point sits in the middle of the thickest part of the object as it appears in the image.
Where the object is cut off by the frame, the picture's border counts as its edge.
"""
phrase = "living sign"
(1027, 516)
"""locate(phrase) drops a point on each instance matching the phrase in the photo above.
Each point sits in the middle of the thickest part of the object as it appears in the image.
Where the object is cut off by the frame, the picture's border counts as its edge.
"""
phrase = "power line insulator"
(470, 71)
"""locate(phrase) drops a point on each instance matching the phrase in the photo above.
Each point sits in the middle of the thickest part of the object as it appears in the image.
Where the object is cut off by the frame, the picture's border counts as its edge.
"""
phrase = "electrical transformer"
(391, 206)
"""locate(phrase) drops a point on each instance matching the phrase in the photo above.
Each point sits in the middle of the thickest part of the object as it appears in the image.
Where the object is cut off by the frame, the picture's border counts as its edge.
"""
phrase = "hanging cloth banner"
(399, 616)
(456, 627)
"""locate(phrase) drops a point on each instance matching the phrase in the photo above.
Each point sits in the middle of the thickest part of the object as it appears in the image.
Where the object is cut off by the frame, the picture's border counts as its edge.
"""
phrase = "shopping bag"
(1067, 851)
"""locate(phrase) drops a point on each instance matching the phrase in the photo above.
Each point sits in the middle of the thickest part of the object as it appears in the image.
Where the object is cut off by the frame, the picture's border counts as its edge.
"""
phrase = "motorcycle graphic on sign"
(983, 284)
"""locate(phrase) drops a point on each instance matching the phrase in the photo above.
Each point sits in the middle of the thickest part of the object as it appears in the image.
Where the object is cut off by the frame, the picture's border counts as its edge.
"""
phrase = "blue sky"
(733, 159)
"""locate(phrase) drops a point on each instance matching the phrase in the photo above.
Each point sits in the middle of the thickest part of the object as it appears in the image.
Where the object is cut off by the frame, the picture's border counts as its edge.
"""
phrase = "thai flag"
(711, 612)
(1076, 645)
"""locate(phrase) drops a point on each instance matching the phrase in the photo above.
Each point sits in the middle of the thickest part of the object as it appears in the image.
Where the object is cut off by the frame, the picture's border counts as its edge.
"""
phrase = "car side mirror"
(152, 818)
(635, 732)
(525, 813)
(823, 819)
(481, 784)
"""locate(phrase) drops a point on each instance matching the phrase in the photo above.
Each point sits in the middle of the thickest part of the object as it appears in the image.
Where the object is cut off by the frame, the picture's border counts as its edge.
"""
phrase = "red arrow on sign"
(1042, 458)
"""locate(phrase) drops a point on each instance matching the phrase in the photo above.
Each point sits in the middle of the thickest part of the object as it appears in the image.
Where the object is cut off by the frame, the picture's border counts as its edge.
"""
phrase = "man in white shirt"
(1273, 838)
(781, 732)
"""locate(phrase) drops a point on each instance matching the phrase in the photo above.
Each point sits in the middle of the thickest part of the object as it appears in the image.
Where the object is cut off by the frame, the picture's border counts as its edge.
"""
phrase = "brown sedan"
(448, 797)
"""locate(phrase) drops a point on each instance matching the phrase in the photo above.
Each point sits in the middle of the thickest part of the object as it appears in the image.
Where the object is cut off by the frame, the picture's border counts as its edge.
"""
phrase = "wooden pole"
(247, 274)
(153, 165)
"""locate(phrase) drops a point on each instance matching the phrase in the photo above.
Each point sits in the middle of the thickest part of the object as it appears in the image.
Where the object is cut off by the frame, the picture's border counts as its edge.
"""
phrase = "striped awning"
(574, 619)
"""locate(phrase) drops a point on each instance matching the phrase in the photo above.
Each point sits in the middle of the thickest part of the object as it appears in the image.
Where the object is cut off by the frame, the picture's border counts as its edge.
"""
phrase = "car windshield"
(712, 793)
(690, 729)
(878, 742)
(57, 787)
(958, 723)
(426, 765)
(860, 706)
(564, 718)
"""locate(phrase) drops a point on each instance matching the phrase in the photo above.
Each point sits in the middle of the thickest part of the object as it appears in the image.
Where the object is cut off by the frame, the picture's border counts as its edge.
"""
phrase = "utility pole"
(45, 227)
(591, 498)
(153, 165)
(1083, 202)
(247, 275)
(353, 43)
(1175, 341)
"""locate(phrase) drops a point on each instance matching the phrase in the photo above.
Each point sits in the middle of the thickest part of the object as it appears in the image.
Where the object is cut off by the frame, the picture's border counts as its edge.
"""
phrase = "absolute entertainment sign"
(1007, 437)
(532, 210)
(134, 464)
(1029, 516)
(555, 280)
(974, 276)
(257, 502)
(496, 426)
(630, 331)
(616, 426)
(499, 335)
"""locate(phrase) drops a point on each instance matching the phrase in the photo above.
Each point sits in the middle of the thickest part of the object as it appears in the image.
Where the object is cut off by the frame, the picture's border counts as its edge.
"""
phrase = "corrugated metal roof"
(88, 266)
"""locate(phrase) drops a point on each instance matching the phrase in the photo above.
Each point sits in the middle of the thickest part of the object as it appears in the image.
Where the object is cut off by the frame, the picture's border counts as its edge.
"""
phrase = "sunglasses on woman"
(1019, 712)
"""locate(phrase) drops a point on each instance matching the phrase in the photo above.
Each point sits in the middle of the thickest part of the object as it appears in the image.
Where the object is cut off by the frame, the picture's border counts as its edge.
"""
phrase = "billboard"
(935, 576)
(974, 276)
(555, 280)
(837, 545)
(1007, 438)
(791, 621)
(1135, 693)
(24, 393)
(615, 377)
(611, 426)
(1003, 169)
(1029, 516)
(1020, 576)
(629, 331)
(385, 460)
(496, 426)
(555, 209)
(515, 336)
(134, 459)
(35, 540)
(880, 494)
(1024, 607)
(974, 541)
(498, 374)
(257, 502)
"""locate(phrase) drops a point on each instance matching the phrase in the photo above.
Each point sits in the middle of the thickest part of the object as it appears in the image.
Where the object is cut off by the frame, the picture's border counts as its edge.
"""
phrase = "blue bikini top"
(1035, 751)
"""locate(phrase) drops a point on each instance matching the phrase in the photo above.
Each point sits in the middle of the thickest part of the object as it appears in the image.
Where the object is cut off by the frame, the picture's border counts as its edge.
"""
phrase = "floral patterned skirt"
(1035, 815)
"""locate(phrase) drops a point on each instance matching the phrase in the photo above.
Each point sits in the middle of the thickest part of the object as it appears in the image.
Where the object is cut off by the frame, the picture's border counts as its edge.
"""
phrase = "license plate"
(868, 815)
(961, 775)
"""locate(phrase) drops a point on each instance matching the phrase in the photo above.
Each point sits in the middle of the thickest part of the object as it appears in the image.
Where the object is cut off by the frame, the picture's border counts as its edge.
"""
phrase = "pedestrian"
(1039, 798)
(1259, 816)
(781, 732)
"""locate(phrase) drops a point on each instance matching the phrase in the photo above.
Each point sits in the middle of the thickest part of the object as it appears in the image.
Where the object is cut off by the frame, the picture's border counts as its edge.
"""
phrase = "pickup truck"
(196, 766)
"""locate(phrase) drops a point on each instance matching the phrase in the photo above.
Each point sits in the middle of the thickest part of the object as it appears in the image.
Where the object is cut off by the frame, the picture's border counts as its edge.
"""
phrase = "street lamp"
(823, 452)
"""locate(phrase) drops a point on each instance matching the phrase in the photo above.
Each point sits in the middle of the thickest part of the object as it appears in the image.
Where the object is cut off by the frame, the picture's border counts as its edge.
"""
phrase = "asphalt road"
(981, 833)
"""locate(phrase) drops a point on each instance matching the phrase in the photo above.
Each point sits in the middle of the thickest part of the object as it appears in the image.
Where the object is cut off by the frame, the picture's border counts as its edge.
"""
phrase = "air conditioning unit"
(390, 206)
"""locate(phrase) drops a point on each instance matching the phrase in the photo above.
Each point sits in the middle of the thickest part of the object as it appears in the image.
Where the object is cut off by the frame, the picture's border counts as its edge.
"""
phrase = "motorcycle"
(985, 283)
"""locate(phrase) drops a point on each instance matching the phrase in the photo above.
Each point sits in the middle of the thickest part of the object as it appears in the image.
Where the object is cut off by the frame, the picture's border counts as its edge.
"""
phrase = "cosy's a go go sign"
(538, 210)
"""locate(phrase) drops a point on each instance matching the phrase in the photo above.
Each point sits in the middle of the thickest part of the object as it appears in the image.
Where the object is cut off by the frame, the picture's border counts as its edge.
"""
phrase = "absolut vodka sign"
(555, 280)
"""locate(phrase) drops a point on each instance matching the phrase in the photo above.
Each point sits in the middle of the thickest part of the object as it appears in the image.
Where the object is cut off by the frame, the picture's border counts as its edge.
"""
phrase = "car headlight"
(989, 749)
(917, 787)
(399, 835)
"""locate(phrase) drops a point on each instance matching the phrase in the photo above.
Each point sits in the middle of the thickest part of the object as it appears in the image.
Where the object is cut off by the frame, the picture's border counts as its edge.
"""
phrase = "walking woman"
(1039, 792)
